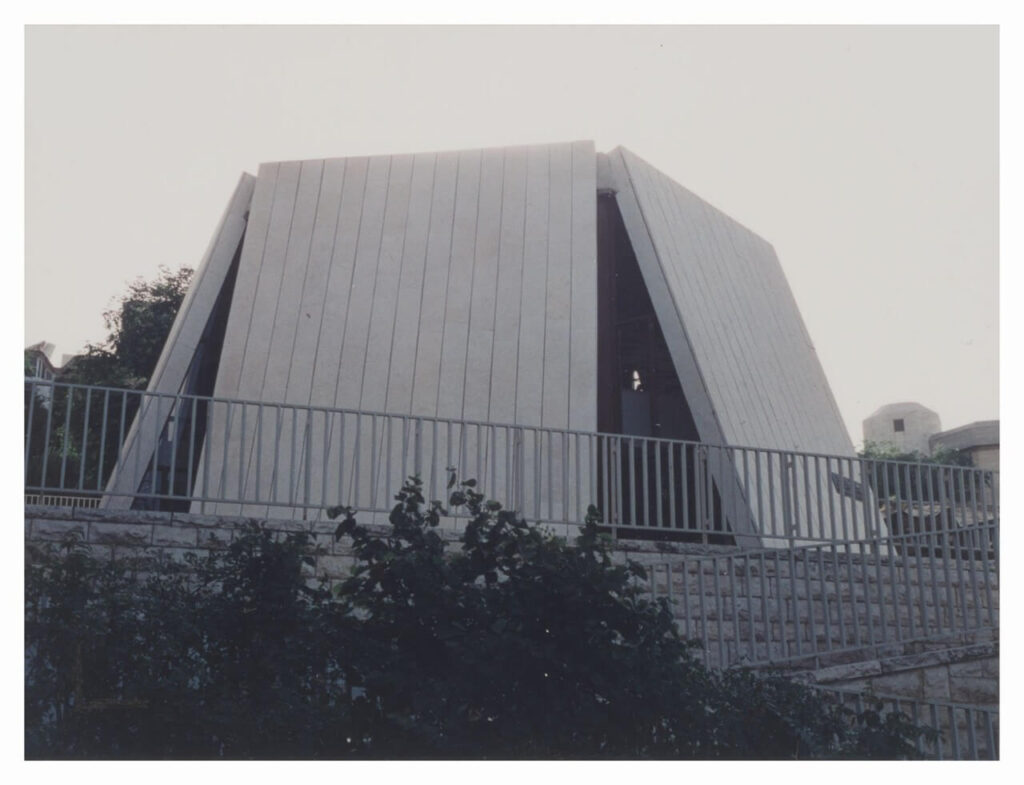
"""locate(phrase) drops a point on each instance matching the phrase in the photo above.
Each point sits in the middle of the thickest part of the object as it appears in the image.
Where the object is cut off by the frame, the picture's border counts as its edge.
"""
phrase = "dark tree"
(138, 326)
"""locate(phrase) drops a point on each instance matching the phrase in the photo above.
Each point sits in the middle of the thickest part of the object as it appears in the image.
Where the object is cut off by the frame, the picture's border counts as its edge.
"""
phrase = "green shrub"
(515, 645)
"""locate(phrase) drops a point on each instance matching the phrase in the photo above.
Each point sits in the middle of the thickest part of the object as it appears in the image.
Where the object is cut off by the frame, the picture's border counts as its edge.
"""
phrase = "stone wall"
(962, 668)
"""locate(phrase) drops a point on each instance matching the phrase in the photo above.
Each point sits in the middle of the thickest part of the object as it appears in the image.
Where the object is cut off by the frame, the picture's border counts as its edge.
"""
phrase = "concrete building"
(543, 289)
(980, 440)
(906, 426)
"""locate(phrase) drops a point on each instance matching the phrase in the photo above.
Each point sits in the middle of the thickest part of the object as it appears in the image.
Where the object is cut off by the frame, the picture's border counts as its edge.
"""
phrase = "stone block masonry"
(869, 623)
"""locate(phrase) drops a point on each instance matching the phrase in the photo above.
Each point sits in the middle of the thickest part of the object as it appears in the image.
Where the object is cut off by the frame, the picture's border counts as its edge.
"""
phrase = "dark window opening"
(639, 394)
(897, 425)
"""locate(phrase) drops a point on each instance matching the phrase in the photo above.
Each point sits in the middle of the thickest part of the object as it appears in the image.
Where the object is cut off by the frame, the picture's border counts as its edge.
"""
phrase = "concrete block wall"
(747, 609)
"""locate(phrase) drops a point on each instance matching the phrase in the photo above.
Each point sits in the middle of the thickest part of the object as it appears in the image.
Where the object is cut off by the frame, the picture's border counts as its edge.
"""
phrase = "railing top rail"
(36, 382)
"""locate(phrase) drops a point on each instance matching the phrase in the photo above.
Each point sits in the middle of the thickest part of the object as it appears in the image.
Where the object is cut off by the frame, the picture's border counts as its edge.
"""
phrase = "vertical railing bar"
(103, 440)
(842, 498)
(29, 420)
(189, 479)
(356, 475)
(746, 484)
(632, 483)
(173, 416)
(563, 440)
(973, 543)
(820, 550)
(592, 448)
(660, 512)
(684, 477)
(708, 517)
(275, 465)
(206, 460)
(984, 529)
(374, 462)
(823, 529)
(954, 537)
(917, 498)
(537, 472)
(955, 732)
(703, 615)
(719, 612)
(307, 470)
(645, 482)
(812, 624)
(766, 620)
(891, 555)
(686, 598)
(671, 486)
(796, 603)
(243, 463)
(939, 746)
(969, 547)
(326, 459)
(734, 604)
(780, 606)
(156, 437)
(915, 719)
(946, 529)
(831, 497)
(807, 503)
(433, 463)
(853, 593)
(839, 595)
(863, 552)
(85, 441)
(972, 739)
(64, 445)
(933, 541)
(344, 498)
(990, 737)
(387, 433)
(292, 457)
(751, 628)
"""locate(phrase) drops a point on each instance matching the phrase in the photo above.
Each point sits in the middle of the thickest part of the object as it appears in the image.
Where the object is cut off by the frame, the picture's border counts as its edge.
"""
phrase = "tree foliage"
(138, 326)
(914, 477)
(513, 645)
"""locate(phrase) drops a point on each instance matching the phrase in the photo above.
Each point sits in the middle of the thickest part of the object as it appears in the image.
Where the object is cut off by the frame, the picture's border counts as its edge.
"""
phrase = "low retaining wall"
(961, 669)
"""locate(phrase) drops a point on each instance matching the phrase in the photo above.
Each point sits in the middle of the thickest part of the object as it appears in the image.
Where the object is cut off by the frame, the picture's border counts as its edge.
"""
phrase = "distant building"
(979, 439)
(37, 361)
(907, 426)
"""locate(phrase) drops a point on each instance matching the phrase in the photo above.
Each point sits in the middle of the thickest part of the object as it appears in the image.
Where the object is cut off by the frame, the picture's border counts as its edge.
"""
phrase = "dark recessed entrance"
(639, 394)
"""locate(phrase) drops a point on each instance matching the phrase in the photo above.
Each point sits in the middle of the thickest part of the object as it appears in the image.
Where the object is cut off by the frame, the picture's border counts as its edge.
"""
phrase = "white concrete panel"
(508, 296)
(558, 294)
(583, 287)
(384, 295)
(435, 287)
(405, 340)
(284, 324)
(739, 345)
(530, 376)
(451, 383)
(364, 274)
(480, 343)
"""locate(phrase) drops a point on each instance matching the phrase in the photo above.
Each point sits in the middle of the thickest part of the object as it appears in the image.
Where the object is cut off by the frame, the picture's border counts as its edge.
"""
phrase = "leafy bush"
(516, 645)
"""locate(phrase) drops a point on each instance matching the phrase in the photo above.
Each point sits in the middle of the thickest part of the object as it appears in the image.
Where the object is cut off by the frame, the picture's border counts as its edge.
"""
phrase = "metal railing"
(777, 606)
(966, 732)
(228, 456)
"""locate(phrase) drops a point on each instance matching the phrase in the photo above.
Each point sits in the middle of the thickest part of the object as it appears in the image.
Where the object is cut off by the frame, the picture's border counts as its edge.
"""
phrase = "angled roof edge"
(448, 151)
(180, 346)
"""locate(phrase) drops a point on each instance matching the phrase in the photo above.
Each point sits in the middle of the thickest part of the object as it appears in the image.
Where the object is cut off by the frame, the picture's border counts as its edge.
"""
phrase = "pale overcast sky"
(868, 156)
